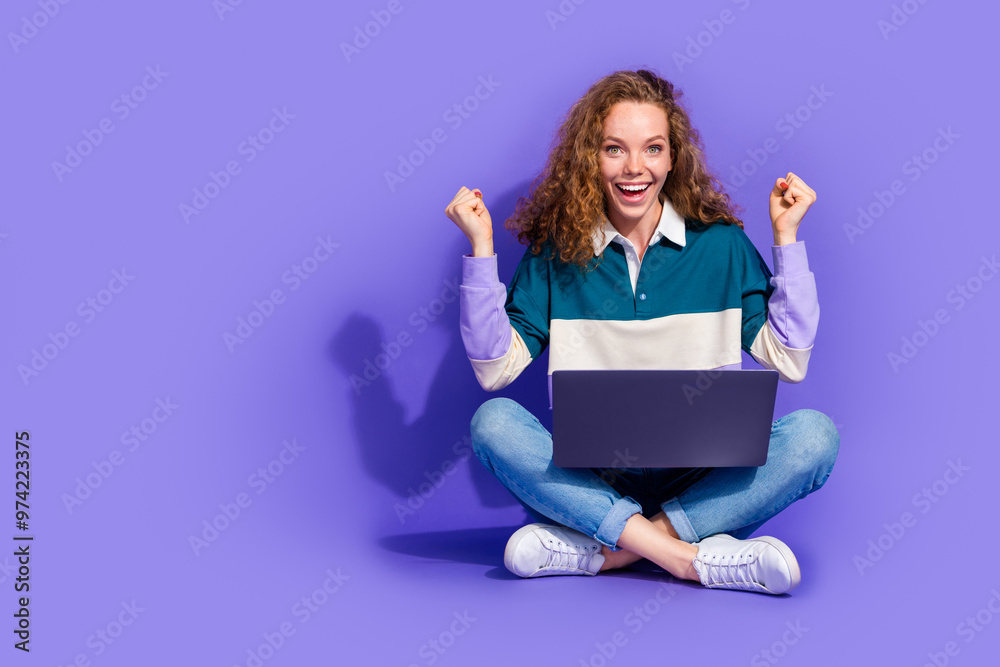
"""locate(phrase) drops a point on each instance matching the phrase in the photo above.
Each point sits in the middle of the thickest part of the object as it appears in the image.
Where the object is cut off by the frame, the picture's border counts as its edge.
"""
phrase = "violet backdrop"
(217, 213)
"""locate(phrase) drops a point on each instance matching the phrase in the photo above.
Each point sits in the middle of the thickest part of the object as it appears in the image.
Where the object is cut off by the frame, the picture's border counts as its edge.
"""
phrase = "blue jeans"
(699, 502)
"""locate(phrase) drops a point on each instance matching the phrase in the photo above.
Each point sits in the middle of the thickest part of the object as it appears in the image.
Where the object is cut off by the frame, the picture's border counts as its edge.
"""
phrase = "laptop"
(662, 419)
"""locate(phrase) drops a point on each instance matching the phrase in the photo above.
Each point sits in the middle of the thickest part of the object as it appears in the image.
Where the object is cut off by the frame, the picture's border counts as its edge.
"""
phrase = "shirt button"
(642, 297)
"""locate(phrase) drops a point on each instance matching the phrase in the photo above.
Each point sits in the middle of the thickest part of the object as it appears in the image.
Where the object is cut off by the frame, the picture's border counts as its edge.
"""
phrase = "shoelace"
(563, 556)
(736, 570)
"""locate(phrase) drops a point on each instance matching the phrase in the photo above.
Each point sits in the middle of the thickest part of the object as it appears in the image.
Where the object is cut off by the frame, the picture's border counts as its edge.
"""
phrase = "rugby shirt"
(700, 294)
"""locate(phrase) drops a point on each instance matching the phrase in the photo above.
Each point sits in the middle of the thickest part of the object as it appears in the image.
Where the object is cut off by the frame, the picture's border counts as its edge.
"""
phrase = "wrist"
(482, 248)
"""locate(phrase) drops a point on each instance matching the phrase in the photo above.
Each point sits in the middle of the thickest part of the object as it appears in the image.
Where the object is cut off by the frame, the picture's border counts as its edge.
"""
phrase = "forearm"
(493, 346)
(785, 341)
(793, 307)
(486, 330)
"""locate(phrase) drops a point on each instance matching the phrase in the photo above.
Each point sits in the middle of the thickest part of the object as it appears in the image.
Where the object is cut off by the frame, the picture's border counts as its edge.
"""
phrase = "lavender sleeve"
(793, 308)
(486, 329)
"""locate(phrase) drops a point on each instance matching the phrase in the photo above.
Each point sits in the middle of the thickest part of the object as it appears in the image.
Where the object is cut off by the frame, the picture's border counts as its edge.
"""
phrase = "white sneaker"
(761, 564)
(540, 550)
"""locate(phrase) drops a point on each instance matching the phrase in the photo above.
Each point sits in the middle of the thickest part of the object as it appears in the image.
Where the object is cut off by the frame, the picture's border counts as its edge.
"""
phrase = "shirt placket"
(641, 302)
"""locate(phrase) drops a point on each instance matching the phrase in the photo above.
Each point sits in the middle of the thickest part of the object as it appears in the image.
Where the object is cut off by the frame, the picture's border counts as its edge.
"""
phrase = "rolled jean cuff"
(611, 528)
(679, 520)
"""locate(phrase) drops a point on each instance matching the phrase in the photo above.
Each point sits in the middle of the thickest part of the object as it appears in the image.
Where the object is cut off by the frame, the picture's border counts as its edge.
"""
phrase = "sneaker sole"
(520, 534)
(786, 553)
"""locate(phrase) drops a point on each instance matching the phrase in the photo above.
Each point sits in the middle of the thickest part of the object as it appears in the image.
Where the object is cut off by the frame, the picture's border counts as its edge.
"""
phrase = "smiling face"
(635, 160)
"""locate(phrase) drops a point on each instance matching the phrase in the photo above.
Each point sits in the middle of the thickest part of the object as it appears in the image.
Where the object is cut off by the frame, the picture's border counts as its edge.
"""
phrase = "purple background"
(365, 452)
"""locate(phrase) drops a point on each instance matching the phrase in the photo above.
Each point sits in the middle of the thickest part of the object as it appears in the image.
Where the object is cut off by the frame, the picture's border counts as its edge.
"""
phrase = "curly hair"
(566, 202)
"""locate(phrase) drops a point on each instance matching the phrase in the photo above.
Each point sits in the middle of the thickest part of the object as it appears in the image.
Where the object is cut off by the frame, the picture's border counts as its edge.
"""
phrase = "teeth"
(634, 188)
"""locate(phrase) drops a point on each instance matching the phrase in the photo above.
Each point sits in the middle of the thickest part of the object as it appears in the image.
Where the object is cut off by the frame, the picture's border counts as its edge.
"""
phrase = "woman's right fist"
(468, 211)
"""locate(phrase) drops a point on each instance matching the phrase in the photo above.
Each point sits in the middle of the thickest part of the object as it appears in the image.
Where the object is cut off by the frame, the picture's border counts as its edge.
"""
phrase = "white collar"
(671, 225)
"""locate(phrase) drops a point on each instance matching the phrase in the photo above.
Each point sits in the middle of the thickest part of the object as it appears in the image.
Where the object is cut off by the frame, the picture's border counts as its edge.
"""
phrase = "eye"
(612, 148)
(657, 148)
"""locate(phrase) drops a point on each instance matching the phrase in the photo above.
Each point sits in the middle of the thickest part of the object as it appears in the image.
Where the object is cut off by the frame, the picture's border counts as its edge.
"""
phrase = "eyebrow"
(659, 136)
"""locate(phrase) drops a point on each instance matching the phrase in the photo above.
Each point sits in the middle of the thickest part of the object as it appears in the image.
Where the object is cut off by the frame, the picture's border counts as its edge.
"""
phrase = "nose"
(633, 164)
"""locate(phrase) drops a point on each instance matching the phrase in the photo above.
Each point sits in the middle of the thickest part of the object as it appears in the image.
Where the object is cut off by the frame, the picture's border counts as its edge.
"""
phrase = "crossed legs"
(517, 449)
(656, 540)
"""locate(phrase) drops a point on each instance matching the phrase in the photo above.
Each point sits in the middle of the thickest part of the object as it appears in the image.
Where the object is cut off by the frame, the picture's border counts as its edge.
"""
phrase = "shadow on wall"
(403, 456)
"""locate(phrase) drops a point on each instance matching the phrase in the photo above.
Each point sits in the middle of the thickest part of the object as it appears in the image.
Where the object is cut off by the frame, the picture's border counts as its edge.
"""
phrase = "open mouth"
(633, 192)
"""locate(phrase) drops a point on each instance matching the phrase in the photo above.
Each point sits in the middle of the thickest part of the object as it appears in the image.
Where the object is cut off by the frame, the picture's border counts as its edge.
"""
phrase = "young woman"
(636, 260)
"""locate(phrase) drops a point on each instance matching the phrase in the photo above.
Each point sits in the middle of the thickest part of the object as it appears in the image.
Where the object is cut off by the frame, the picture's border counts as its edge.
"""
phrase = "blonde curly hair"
(567, 201)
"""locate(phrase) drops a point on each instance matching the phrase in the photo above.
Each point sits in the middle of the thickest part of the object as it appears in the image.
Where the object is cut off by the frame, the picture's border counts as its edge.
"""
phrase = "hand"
(790, 199)
(469, 213)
